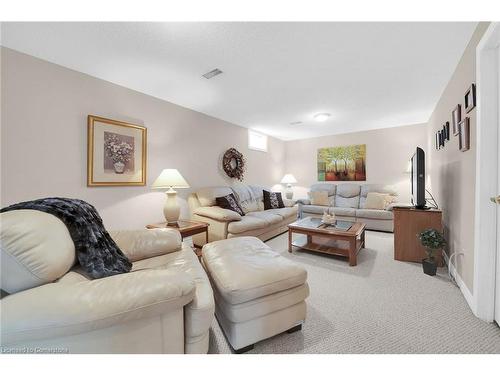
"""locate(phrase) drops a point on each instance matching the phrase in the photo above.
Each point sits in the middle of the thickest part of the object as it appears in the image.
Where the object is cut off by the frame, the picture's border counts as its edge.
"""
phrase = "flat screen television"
(418, 178)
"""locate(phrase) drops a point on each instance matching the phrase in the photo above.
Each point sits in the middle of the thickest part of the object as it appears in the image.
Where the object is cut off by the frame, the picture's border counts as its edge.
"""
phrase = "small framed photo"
(470, 98)
(456, 117)
(441, 138)
(445, 132)
(116, 153)
(464, 136)
(447, 127)
(437, 141)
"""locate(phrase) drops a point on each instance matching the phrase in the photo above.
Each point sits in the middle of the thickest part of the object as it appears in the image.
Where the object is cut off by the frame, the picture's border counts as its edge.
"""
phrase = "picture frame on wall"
(437, 141)
(464, 136)
(470, 98)
(116, 153)
(456, 117)
(447, 130)
(353, 169)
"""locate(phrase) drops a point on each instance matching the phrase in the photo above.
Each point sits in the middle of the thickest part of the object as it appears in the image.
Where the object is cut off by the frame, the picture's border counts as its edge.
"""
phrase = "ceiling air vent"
(212, 73)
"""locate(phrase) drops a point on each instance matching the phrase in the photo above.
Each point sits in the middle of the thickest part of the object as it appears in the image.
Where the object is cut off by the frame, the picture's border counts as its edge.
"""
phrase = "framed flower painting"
(116, 153)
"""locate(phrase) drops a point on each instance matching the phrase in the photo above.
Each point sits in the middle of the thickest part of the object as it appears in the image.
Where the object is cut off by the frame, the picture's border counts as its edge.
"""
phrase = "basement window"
(257, 141)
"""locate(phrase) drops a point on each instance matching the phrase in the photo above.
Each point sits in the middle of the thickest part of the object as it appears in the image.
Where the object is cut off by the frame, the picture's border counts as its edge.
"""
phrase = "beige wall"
(44, 137)
(388, 151)
(451, 173)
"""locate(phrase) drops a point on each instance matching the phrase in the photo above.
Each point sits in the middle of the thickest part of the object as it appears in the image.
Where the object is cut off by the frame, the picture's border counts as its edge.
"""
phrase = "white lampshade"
(288, 179)
(170, 178)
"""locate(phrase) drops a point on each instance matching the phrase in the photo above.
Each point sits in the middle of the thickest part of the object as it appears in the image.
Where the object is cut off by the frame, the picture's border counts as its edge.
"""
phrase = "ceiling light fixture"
(212, 73)
(296, 123)
(321, 116)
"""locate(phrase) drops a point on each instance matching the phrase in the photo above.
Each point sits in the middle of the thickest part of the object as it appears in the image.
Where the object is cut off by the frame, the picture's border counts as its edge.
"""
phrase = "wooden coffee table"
(328, 239)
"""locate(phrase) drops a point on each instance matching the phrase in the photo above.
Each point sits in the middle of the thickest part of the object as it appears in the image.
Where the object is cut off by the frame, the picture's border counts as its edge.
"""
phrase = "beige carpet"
(379, 306)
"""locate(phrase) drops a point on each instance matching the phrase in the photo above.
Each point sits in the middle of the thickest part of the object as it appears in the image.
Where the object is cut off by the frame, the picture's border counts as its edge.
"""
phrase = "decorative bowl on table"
(328, 219)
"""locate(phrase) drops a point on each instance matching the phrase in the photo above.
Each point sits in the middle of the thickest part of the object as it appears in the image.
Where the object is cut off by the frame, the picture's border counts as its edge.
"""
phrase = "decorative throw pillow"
(389, 200)
(378, 201)
(319, 198)
(229, 202)
(272, 200)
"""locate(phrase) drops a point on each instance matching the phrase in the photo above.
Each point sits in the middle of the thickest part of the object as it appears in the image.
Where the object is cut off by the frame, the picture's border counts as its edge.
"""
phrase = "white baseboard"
(463, 288)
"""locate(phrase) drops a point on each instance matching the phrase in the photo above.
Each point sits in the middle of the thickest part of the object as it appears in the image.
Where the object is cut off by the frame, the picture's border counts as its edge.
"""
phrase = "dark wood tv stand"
(408, 223)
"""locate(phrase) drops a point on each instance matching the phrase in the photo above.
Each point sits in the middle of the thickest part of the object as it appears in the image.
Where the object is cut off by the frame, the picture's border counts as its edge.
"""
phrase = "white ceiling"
(367, 75)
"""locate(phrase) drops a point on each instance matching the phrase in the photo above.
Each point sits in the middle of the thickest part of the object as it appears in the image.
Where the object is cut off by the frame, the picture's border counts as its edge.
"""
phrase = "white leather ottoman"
(258, 293)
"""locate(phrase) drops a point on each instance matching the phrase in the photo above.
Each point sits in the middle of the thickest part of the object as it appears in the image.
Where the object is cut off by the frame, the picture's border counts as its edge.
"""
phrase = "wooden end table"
(328, 240)
(187, 229)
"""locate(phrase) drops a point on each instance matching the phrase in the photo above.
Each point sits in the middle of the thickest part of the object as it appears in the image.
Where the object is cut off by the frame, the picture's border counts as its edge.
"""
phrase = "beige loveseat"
(347, 202)
(224, 223)
(164, 305)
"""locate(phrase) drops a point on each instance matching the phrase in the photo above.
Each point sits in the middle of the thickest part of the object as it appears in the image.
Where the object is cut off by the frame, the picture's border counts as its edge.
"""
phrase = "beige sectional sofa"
(165, 305)
(224, 223)
(347, 202)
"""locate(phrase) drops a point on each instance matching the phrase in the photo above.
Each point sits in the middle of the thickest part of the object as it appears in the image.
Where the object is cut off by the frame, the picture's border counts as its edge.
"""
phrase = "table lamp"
(288, 179)
(170, 179)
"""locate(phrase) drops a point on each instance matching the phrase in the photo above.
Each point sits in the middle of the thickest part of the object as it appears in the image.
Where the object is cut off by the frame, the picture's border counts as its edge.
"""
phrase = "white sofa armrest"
(217, 213)
(63, 309)
(304, 201)
(147, 243)
(390, 207)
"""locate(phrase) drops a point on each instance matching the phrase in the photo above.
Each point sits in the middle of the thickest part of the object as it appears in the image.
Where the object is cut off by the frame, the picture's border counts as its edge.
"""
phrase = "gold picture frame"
(116, 153)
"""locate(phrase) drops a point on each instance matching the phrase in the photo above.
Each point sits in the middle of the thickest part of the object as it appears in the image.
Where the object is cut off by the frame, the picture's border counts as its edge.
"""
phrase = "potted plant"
(433, 241)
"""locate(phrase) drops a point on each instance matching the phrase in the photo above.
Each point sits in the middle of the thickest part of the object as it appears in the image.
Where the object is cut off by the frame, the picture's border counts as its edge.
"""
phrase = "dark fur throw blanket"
(96, 251)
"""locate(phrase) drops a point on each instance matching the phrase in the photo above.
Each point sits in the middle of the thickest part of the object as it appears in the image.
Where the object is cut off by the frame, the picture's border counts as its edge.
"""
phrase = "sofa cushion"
(217, 213)
(348, 190)
(258, 192)
(312, 209)
(206, 196)
(374, 214)
(284, 212)
(319, 198)
(36, 249)
(245, 268)
(343, 211)
(229, 202)
(347, 195)
(376, 201)
(248, 197)
(347, 202)
(375, 188)
(269, 217)
(330, 188)
(246, 223)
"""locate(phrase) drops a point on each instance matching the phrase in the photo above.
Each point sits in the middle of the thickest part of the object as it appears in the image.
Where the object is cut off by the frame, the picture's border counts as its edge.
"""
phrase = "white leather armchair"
(164, 305)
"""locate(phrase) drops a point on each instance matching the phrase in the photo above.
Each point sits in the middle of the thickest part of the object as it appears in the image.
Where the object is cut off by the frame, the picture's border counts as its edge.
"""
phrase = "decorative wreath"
(233, 163)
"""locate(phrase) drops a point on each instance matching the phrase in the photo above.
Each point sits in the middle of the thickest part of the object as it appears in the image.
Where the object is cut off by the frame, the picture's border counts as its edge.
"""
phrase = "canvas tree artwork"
(344, 163)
